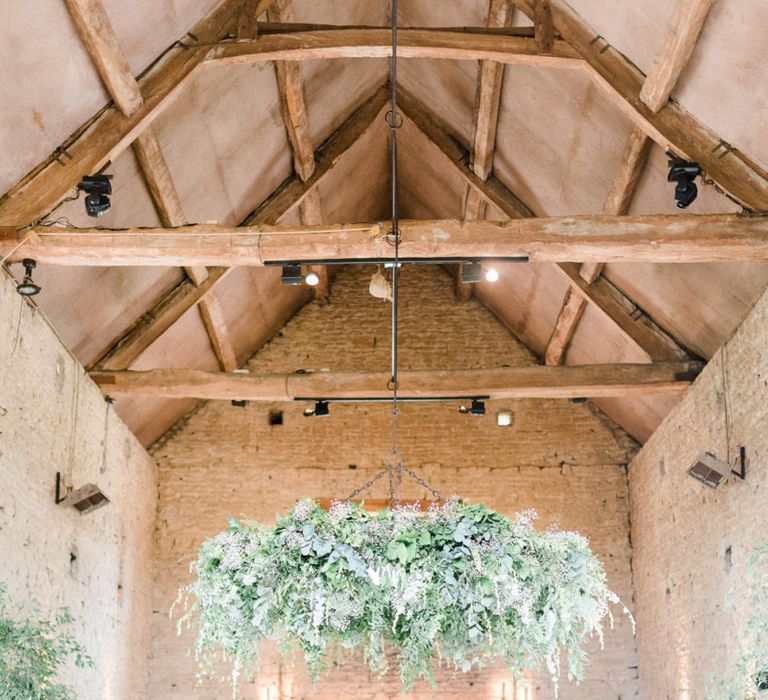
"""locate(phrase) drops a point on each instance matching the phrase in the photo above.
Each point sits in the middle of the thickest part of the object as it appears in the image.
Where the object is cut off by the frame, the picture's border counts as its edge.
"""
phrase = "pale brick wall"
(53, 418)
(682, 531)
(562, 459)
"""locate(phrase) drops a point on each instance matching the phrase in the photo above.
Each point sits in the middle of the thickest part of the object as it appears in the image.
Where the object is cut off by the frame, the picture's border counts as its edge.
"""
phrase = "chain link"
(366, 485)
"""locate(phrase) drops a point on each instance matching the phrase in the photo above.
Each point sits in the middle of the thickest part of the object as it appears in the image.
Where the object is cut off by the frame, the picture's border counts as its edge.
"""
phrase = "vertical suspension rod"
(394, 125)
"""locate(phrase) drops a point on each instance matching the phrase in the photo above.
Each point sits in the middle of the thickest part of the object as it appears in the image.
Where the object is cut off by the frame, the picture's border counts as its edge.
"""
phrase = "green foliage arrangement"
(33, 645)
(750, 677)
(459, 584)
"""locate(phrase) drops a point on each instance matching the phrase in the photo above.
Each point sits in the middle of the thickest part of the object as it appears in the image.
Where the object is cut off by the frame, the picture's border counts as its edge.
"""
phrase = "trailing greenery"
(750, 677)
(460, 584)
(33, 645)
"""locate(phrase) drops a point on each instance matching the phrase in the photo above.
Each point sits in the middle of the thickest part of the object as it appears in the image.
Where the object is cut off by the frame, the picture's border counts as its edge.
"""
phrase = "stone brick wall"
(691, 543)
(565, 460)
(53, 418)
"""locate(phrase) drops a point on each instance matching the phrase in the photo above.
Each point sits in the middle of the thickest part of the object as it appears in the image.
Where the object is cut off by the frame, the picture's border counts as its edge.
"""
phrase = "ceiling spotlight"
(477, 408)
(492, 274)
(312, 279)
(27, 287)
(97, 189)
(504, 419)
(471, 273)
(321, 409)
(684, 174)
(292, 275)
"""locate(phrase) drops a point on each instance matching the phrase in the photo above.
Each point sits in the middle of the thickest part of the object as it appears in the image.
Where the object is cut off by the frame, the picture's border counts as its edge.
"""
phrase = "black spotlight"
(471, 273)
(477, 408)
(97, 189)
(321, 409)
(27, 287)
(761, 680)
(684, 174)
(292, 275)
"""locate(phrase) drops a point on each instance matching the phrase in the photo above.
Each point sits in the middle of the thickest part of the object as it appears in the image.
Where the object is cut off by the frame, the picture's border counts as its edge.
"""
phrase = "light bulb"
(492, 274)
(312, 279)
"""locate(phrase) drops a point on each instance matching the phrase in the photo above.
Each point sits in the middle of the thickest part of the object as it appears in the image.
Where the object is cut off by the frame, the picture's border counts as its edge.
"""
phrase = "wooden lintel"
(682, 34)
(657, 238)
(95, 31)
(534, 382)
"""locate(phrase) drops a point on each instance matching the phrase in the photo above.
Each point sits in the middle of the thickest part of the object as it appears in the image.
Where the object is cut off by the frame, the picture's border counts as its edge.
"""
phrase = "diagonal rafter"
(169, 208)
(672, 127)
(96, 33)
(110, 132)
(296, 118)
(617, 203)
(487, 105)
(171, 307)
(680, 41)
(648, 337)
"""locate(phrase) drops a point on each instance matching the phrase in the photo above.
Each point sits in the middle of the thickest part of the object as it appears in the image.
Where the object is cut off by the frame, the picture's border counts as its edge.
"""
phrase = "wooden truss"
(559, 39)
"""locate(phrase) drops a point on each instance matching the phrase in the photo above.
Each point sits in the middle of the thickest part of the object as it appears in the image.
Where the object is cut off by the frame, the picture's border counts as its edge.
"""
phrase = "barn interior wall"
(100, 564)
(690, 543)
(565, 460)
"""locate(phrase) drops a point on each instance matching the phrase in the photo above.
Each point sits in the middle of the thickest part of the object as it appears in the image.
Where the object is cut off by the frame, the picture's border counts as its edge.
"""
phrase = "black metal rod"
(400, 261)
(401, 399)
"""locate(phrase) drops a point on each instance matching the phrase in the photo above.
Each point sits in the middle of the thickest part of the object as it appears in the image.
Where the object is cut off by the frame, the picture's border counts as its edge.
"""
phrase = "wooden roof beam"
(290, 84)
(96, 32)
(122, 352)
(376, 42)
(682, 34)
(156, 321)
(613, 306)
(672, 127)
(617, 203)
(661, 238)
(533, 382)
(544, 30)
(487, 105)
(168, 205)
(248, 17)
(110, 132)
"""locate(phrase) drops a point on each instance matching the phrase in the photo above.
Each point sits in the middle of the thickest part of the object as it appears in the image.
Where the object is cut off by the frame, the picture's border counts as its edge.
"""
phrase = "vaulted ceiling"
(305, 142)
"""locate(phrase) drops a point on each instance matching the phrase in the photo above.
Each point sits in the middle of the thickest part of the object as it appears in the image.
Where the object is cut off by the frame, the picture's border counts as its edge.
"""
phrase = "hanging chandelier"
(458, 584)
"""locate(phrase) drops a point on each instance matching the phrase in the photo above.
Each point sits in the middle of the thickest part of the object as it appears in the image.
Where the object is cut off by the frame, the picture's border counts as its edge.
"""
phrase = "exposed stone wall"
(562, 459)
(100, 565)
(691, 543)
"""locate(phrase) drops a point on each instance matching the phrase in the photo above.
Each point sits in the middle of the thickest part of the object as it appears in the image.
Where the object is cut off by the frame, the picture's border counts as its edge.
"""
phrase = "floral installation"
(34, 645)
(459, 585)
(749, 677)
